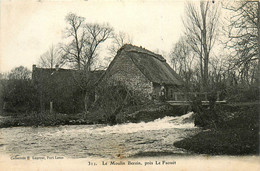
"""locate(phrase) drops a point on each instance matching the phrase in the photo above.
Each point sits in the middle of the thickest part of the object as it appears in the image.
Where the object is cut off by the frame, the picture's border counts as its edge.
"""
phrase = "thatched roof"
(152, 65)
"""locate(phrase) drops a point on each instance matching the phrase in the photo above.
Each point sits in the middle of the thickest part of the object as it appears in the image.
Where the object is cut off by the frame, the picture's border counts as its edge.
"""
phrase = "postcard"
(129, 85)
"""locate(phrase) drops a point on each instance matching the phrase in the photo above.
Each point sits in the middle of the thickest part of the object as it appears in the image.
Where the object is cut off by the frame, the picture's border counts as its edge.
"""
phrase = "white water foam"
(168, 122)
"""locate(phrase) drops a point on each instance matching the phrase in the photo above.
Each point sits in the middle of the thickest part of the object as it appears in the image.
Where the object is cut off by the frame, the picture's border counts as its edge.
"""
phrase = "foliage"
(18, 95)
(20, 72)
(236, 134)
(17, 91)
(113, 99)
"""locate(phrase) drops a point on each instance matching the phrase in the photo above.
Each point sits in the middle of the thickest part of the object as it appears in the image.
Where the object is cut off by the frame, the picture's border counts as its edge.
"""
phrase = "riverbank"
(46, 119)
(236, 132)
(134, 114)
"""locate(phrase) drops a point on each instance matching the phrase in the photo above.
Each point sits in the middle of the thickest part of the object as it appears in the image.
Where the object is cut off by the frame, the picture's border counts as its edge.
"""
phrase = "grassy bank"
(46, 119)
(234, 131)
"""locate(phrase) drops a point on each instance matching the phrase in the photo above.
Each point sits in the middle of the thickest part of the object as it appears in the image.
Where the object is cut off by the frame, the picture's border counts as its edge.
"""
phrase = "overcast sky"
(30, 27)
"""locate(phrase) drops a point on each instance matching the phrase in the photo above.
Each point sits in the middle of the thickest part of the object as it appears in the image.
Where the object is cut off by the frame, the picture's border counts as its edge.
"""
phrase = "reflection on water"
(81, 141)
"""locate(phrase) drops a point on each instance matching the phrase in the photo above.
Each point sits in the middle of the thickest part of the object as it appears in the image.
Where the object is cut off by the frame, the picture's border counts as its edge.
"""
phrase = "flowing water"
(102, 141)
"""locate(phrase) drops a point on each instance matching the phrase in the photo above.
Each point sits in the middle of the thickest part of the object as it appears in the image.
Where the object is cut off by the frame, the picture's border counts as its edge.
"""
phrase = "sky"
(30, 27)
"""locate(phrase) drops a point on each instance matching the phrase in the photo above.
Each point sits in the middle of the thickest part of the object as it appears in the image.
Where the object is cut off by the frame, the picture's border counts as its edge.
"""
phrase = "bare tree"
(119, 40)
(51, 58)
(244, 35)
(201, 26)
(84, 40)
(218, 67)
(182, 59)
(76, 33)
(96, 35)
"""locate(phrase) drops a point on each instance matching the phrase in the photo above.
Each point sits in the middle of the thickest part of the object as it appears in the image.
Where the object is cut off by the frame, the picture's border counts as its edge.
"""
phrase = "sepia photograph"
(129, 84)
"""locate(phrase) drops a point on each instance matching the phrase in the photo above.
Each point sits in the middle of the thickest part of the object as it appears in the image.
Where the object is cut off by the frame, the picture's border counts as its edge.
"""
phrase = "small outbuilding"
(62, 87)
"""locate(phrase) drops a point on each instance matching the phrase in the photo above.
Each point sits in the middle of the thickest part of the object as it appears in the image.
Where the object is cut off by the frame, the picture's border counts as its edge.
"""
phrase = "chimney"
(33, 72)
(57, 67)
(33, 67)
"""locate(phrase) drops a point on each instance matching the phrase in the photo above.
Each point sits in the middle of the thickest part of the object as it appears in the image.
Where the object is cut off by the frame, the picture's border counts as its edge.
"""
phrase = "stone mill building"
(144, 72)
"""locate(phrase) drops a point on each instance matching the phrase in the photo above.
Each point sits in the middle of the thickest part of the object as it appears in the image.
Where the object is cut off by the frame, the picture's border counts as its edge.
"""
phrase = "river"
(99, 141)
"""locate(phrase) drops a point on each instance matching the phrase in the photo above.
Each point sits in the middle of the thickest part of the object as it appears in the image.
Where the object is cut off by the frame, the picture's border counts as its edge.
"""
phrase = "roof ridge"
(157, 56)
(133, 48)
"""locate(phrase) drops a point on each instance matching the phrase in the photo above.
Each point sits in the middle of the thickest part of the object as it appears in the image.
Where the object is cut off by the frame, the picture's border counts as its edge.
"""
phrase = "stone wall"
(126, 72)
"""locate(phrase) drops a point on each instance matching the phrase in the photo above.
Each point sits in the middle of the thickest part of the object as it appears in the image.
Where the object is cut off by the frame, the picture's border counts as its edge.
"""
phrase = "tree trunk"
(86, 101)
(78, 62)
(205, 49)
(205, 79)
(201, 64)
(258, 42)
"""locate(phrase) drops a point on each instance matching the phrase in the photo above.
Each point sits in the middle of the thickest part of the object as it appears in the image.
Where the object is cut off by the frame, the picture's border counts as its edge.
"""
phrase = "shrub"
(18, 95)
